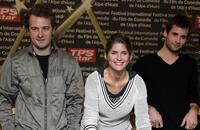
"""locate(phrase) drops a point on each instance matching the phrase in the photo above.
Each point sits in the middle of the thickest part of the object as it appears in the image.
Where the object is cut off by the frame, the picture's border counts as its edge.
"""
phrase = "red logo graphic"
(84, 54)
(9, 14)
(197, 21)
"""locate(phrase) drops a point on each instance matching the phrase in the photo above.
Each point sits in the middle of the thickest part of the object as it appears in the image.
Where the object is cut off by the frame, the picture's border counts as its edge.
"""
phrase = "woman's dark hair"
(120, 38)
(40, 10)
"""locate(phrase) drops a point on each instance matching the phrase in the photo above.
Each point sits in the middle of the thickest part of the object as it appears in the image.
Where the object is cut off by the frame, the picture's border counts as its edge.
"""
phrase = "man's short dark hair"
(180, 21)
(40, 10)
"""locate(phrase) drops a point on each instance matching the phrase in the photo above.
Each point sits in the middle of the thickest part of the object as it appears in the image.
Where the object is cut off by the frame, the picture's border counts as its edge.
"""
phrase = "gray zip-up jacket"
(51, 104)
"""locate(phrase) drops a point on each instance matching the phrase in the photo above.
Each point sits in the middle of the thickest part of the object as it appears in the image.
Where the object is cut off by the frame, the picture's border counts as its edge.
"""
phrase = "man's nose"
(40, 33)
(178, 40)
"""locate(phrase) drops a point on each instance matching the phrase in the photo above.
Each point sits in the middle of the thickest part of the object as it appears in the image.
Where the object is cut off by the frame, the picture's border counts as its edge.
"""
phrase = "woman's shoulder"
(94, 75)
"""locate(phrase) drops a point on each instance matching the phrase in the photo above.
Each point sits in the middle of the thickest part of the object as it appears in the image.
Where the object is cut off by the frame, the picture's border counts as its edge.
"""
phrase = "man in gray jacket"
(44, 84)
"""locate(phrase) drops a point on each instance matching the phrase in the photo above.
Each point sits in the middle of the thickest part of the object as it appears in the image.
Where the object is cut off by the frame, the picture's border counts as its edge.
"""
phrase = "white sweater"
(100, 113)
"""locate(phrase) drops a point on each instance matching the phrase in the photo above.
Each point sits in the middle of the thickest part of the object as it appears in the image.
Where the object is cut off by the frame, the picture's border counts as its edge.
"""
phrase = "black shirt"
(43, 60)
(170, 88)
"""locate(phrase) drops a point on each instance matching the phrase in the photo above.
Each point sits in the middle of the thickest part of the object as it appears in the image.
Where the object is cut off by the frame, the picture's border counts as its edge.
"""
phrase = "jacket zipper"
(45, 91)
(45, 102)
(45, 95)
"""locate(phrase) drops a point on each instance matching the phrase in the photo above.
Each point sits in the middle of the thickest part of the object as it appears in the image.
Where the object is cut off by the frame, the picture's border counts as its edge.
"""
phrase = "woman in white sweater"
(114, 91)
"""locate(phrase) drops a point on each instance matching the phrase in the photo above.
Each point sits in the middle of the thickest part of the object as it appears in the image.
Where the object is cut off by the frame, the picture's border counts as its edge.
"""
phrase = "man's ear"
(165, 33)
(131, 56)
(53, 30)
(27, 32)
(105, 56)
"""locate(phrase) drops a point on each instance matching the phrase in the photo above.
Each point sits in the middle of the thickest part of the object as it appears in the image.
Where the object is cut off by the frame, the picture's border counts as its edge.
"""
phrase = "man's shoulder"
(188, 59)
(67, 58)
(66, 55)
(145, 62)
(147, 58)
(19, 53)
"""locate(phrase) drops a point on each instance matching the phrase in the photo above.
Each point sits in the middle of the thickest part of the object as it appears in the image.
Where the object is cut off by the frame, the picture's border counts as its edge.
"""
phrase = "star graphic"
(20, 5)
(69, 9)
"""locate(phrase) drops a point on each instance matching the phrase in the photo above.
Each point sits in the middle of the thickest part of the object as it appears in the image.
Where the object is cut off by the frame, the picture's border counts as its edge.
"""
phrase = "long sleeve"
(141, 107)
(193, 92)
(91, 110)
(8, 92)
(74, 97)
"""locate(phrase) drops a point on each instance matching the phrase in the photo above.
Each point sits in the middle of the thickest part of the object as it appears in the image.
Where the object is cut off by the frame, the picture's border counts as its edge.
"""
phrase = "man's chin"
(42, 47)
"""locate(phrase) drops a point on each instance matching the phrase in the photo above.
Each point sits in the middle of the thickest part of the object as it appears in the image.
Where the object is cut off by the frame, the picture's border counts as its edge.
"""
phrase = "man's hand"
(155, 117)
(190, 120)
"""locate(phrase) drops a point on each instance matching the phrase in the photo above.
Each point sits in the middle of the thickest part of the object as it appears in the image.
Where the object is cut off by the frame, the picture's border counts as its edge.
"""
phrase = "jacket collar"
(53, 50)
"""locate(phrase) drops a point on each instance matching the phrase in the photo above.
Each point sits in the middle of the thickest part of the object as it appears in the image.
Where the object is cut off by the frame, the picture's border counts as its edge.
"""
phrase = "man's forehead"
(39, 22)
(178, 29)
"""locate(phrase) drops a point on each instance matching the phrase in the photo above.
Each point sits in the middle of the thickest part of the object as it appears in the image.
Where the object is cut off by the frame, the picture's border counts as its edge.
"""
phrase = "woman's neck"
(115, 75)
(115, 81)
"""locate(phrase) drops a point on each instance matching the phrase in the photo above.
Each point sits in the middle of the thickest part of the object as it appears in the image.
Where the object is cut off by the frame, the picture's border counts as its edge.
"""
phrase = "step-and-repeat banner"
(84, 25)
